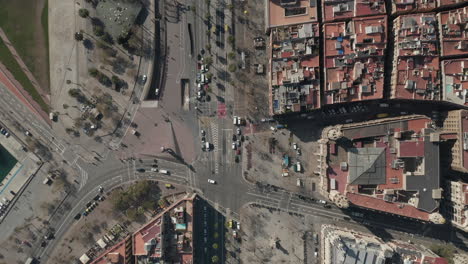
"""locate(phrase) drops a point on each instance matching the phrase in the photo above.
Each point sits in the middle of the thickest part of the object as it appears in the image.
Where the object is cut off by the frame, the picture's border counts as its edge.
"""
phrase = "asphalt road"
(229, 193)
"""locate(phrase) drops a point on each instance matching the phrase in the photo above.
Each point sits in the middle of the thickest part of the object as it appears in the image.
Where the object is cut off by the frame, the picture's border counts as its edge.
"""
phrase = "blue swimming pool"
(7, 162)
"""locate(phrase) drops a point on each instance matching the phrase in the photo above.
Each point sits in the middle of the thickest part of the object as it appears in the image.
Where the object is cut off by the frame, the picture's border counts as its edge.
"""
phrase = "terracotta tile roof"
(354, 70)
(452, 33)
(381, 205)
(404, 6)
(334, 10)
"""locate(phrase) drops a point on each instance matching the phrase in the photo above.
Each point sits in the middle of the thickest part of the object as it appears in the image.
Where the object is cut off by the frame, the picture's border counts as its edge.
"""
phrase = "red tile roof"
(403, 6)
(354, 70)
(452, 33)
(334, 10)
(411, 149)
(381, 205)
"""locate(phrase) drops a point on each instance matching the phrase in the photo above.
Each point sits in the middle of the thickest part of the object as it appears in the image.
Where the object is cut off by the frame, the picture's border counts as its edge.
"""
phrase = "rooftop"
(334, 10)
(453, 32)
(166, 237)
(343, 246)
(416, 63)
(354, 66)
(455, 81)
(404, 6)
(390, 165)
(294, 68)
(291, 12)
(115, 255)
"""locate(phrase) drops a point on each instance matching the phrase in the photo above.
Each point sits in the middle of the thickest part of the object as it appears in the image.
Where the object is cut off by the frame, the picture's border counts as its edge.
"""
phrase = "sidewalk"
(45, 96)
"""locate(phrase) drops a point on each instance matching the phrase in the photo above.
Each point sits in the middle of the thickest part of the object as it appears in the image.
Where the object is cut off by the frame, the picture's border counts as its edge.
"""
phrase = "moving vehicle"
(164, 172)
(141, 170)
(211, 181)
(382, 115)
(154, 169)
(144, 78)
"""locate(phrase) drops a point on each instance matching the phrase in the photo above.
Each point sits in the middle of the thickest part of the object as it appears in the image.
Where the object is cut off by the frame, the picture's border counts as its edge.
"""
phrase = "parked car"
(211, 181)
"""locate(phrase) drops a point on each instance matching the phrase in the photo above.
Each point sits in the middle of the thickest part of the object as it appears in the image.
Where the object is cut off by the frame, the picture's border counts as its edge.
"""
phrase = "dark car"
(141, 170)
(77, 216)
(327, 206)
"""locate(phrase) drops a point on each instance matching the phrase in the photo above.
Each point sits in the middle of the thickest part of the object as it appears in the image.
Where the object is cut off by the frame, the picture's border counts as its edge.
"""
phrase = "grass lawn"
(25, 24)
(7, 59)
(45, 30)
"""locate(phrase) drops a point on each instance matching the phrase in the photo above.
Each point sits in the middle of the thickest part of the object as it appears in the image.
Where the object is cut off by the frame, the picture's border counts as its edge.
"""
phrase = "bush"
(83, 12)
(231, 55)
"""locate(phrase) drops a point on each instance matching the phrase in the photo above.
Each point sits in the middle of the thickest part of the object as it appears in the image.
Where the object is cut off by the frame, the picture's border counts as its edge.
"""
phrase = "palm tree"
(78, 36)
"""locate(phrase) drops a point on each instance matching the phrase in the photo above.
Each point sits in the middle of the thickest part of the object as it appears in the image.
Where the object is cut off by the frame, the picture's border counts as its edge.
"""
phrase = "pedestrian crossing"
(214, 136)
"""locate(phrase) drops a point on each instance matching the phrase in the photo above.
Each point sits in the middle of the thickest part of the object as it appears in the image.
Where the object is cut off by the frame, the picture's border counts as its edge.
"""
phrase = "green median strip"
(9, 61)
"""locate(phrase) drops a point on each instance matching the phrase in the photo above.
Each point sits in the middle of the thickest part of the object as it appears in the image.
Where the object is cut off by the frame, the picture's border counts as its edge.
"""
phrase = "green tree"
(107, 38)
(231, 40)
(83, 12)
(208, 60)
(93, 72)
(215, 259)
(98, 30)
(209, 75)
(231, 55)
(215, 246)
(232, 67)
(78, 36)
(74, 92)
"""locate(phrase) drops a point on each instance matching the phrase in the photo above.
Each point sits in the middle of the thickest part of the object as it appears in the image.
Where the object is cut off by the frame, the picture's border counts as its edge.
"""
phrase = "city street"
(230, 191)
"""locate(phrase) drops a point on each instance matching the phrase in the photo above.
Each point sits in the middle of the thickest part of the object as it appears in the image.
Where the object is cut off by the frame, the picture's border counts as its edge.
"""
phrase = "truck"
(164, 172)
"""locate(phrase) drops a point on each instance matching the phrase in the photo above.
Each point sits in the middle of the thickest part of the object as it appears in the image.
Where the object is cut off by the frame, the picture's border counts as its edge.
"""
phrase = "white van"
(164, 172)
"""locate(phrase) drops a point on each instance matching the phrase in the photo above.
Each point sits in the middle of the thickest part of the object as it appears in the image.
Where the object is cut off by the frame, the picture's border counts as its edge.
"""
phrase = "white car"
(27, 133)
(383, 105)
(202, 132)
(238, 130)
(234, 146)
(294, 146)
(211, 181)
(238, 226)
(144, 78)
(156, 92)
(154, 170)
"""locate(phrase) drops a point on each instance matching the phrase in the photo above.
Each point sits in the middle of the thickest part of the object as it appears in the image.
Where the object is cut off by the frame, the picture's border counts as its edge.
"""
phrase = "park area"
(25, 23)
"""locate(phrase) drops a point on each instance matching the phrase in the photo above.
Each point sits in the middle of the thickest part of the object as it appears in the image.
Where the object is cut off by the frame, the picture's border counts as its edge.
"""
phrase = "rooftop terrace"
(455, 81)
(335, 10)
(294, 68)
(291, 12)
(354, 65)
(453, 32)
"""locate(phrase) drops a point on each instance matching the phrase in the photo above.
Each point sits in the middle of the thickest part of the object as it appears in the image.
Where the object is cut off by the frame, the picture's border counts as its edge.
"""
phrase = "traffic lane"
(113, 181)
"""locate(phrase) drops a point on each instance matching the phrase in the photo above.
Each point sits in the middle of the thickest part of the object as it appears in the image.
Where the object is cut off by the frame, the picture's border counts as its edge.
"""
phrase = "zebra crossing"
(214, 136)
